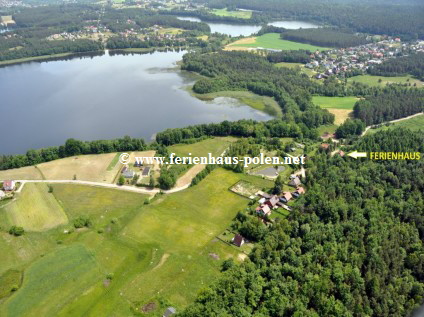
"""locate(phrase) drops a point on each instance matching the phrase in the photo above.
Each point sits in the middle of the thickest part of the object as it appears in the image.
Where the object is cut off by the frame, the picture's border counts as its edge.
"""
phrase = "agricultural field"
(34, 209)
(416, 123)
(261, 103)
(341, 107)
(273, 41)
(215, 146)
(28, 172)
(123, 263)
(172, 31)
(382, 81)
(236, 14)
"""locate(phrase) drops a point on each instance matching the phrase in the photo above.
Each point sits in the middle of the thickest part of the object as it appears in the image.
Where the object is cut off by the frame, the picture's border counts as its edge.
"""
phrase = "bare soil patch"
(341, 115)
(148, 307)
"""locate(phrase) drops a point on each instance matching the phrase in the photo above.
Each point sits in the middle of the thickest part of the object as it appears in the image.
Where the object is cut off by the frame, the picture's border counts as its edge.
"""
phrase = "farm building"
(263, 194)
(238, 240)
(169, 311)
(9, 185)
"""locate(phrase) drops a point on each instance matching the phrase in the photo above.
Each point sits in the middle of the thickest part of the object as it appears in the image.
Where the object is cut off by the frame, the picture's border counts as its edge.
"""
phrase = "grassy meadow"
(236, 14)
(341, 107)
(132, 255)
(416, 123)
(273, 41)
(381, 81)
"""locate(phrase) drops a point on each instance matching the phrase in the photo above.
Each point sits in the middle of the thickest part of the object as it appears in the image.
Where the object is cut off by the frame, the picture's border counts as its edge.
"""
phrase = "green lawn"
(273, 41)
(199, 149)
(346, 103)
(375, 80)
(416, 123)
(303, 69)
(35, 209)
(261, 103)
(184, 226)
(54, 281)
(236, 14)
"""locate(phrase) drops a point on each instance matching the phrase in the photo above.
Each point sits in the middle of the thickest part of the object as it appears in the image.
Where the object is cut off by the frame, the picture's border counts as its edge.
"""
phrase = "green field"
(346, 103)
(273, 41)
(261, 103)
(35, 209)
(213, 145)
(375, 80)
(416, 123)
(163, 252)
(302, 67)
(236, 14)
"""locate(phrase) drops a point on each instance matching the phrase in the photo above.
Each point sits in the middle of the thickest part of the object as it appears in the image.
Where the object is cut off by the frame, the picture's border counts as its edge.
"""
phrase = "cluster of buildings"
(268, 202)
(143, 171)
(7, 188)
(360, 58)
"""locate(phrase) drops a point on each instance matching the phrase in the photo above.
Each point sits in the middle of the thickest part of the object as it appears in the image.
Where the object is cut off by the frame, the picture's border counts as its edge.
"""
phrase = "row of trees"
(412, 64)
(291, 56)
(327, 37)
(70, 148)
(352, 246)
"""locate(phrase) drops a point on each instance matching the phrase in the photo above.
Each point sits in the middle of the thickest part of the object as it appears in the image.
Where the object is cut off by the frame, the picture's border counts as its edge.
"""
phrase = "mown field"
(341, 107)
(273, 41)
(236, 14)
(34, 209)
(215, 146)
(382, 81)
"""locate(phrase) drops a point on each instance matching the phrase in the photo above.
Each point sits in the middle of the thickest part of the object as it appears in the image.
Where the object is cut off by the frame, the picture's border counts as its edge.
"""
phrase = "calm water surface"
(246, 30)
(103, 97)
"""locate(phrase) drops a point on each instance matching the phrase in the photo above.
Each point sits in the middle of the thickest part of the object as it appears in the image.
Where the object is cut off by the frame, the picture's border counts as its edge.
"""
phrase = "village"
(358, 59)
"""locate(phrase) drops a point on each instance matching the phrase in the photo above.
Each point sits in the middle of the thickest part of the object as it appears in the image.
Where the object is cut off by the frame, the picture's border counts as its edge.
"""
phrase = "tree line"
(388, 104)
(351, 246)
(412, 64)
(327, 37)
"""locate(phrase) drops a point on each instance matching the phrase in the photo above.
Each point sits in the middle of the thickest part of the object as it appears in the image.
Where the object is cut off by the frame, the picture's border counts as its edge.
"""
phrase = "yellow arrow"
(356, 154)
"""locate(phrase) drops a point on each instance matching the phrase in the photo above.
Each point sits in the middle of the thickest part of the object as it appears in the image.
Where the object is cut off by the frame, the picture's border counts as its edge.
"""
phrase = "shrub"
(16, 231)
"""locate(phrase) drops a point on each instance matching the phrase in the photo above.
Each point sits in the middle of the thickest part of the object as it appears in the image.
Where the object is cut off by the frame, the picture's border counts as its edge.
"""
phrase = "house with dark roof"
(238, 240)
(169, 311)
(9, 185)
(146, 171)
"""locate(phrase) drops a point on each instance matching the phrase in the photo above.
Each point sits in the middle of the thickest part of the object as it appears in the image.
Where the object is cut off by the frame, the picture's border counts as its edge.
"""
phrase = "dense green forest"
(351, 247)
(245, 71)
(361, 16)
(326, 37)
(389, 104)
(292, 56)
(412, 64)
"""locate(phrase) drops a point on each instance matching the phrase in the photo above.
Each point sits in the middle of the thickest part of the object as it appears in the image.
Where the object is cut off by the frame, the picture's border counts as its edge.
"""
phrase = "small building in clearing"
(238, 240)
(9, 185)
(263, 210)
(272, 201)
(285, 197)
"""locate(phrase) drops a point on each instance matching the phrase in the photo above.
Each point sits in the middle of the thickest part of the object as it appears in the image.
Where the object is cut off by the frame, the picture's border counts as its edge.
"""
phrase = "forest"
(361, 16)
(327, 37)
(388, 104)
(412, 64)
(292, 56)
(352, 246)
(244, 71)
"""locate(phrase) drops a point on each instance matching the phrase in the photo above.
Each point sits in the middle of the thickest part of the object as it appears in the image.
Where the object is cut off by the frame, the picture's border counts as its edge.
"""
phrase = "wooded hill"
(412, 64)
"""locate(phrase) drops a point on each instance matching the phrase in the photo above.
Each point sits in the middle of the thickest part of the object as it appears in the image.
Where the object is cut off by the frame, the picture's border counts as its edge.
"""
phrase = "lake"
(246, 29)
(102, 97)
